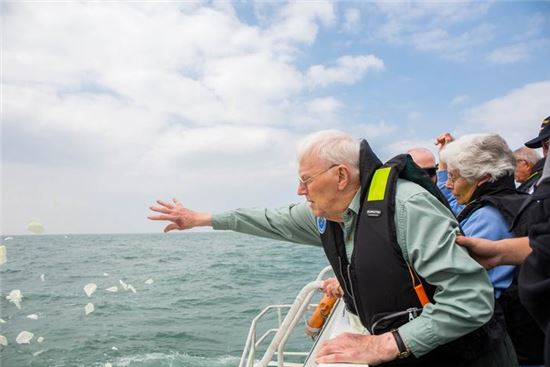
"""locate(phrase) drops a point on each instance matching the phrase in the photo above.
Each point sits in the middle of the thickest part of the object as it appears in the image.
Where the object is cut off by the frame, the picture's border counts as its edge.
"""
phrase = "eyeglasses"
(430, 171)
(452, 178)
(308, 180)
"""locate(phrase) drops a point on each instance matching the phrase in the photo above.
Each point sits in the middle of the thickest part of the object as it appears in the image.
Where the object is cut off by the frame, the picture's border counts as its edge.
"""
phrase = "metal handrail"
(301, 303)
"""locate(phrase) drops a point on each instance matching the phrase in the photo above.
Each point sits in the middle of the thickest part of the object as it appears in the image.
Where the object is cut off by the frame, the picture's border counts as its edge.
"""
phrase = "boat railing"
(284, 328)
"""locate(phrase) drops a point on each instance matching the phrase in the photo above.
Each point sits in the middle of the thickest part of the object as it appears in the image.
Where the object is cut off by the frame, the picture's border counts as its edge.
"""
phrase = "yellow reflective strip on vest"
(378, 184)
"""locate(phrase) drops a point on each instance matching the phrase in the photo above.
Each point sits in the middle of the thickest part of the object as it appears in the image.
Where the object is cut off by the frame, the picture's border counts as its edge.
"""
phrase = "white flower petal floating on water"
(35, 227)
(89, 308)
(131, 287)
(2, 254)
(3, 340)
(15, 297)
(8, 238)
(124, 285)
(42, 277)
(2, 321)
(112, 289)
(149, 281)
(32, 316)
(105, 274)
(90, 288)
(107, 365)
(24, 337)
(40, 339)
(114, 348)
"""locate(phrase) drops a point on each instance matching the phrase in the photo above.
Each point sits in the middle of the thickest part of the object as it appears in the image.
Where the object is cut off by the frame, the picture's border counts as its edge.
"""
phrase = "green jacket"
(426, 232)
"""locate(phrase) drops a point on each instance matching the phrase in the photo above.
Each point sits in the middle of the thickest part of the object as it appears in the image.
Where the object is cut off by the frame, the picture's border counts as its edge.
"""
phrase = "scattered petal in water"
(2, 254)
(2, 321)
(15, 297)
(38, 353)
(32, 316)
(24, 337)
(35, 227)
(90, 288)
(3, 340)
(114, 348)
(42, 277)
(8, 238)
(124, 285)
(112, 289)
(105, 274)
(89, 308)
(131, 287)
(149, 281)
(107, 365)
(40, 339)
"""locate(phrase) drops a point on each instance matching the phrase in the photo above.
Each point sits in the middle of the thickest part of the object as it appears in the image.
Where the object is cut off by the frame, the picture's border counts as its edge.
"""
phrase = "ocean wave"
(175, 360)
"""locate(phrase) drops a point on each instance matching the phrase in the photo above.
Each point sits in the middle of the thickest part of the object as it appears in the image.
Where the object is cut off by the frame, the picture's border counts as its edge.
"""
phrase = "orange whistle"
(421, 294)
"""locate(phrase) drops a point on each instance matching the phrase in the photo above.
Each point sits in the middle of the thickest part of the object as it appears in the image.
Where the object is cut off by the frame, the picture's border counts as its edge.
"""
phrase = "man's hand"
(181, 217)
(357, 348)
(509, 251)
(331, 287)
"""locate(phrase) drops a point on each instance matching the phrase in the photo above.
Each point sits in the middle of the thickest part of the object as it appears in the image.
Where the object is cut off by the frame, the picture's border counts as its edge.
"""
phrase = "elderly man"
(391, 244)
(424, 159)
(528, 168)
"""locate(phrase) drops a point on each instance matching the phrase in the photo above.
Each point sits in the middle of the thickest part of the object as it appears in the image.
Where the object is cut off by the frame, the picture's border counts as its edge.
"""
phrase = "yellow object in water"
(35, 227)
(2, 254)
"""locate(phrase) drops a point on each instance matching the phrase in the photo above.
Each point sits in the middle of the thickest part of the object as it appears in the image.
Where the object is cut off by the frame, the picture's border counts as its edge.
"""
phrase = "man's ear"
(344, 177)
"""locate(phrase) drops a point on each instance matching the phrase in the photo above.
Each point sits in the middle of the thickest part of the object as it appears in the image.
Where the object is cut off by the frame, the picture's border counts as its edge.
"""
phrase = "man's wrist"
(402, 349)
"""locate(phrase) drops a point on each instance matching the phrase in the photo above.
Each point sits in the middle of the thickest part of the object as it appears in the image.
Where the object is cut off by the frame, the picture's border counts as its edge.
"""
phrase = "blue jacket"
(488, 223)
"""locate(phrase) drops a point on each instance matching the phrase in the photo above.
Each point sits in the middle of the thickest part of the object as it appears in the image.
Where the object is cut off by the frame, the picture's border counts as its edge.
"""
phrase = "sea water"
(207, 287)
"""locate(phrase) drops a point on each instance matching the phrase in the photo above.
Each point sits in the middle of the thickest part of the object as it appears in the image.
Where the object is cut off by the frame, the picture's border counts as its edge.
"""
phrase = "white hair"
(478, 155)
(527, 154)
(333, 147)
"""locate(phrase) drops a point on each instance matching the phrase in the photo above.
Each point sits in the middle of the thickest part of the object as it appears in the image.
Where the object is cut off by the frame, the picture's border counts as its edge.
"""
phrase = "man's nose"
(302, 189)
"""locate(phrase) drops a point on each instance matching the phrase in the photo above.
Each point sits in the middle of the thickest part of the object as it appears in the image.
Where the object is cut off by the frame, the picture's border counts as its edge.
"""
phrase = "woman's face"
(462, 189)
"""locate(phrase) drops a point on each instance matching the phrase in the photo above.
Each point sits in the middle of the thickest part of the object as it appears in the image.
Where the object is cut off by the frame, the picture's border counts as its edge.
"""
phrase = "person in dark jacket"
(532, 252)
(528, 168)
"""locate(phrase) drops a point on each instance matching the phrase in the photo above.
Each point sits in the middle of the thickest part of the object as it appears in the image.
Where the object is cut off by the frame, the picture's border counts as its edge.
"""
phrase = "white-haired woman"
(471, 167)
(477, 178)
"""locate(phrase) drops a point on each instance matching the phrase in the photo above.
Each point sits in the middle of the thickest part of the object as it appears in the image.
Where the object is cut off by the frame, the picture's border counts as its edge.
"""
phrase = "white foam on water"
(112, 289)
(42, 277)
(32, 316)
(149, 281)
(131, 287)
(183, 358)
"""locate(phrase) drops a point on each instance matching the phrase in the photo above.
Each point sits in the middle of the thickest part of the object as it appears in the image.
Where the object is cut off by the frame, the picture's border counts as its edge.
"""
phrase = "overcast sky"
(107, 106)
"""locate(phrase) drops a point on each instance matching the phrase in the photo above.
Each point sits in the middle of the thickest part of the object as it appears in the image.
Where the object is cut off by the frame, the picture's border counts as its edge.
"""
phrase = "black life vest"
(377, 282)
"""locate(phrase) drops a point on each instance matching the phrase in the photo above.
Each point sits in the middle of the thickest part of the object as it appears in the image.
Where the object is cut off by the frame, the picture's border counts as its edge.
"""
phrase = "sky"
(108, 106)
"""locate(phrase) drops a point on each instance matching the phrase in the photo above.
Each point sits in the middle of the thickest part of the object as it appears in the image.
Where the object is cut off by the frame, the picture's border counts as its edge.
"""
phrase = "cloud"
(516, 116)
(352, 19)
(454, 47)
(459, 100)
(348, 70)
